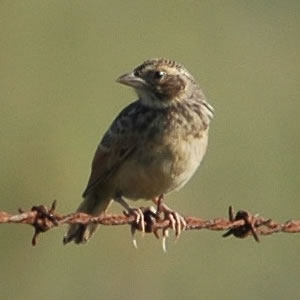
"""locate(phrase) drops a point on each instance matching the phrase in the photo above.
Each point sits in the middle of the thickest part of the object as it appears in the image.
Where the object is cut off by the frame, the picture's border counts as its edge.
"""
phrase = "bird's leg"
(177, 222)
(137, 213)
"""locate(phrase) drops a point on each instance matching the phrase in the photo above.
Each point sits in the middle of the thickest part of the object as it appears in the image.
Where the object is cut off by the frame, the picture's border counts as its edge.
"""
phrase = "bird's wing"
(118, 143)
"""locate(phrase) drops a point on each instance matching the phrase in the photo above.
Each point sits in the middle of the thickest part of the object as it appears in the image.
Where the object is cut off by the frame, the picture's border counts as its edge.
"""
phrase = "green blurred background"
(59, 62)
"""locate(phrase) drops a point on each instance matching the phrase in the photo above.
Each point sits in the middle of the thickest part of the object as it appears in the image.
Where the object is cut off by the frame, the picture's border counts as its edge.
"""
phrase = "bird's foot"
(139, 220)
(176, 221)
(138, 223)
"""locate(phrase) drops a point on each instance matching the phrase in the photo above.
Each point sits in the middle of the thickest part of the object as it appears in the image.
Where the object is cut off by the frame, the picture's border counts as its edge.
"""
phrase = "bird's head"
(158, 82)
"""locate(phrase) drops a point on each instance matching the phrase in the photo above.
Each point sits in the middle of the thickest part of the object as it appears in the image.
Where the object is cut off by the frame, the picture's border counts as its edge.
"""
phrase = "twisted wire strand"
(240, 225)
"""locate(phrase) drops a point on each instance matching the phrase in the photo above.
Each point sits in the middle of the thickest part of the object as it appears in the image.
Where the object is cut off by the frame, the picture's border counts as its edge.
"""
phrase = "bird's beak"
(131, 80)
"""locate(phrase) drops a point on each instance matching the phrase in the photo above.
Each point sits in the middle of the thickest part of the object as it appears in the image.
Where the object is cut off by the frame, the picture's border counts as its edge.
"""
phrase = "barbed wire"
(240, 225)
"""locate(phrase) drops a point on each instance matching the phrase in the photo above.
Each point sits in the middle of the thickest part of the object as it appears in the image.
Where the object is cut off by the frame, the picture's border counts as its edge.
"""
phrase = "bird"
(152, 148)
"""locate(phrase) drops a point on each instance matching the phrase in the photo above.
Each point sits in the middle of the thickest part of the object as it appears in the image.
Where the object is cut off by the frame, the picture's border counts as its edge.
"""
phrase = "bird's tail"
(81, 233)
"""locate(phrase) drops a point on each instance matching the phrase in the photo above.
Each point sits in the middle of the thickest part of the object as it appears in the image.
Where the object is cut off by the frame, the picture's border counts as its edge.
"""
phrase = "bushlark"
(152, 148)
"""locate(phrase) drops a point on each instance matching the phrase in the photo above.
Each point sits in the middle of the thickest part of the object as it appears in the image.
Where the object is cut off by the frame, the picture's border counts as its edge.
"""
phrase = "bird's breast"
(161, 165)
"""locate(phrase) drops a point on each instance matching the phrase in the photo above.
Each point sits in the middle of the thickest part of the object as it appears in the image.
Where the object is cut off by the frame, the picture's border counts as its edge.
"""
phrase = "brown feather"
(104, 165)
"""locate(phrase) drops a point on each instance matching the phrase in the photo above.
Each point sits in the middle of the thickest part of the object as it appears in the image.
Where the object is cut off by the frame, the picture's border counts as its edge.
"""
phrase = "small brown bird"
(152, 148)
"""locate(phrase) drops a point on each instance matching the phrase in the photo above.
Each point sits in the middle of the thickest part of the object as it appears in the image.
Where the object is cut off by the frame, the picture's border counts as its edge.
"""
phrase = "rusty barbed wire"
(240, 225)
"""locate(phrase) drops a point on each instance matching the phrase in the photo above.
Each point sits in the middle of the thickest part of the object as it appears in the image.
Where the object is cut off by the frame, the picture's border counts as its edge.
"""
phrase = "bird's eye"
(159, 74)
(136, 73)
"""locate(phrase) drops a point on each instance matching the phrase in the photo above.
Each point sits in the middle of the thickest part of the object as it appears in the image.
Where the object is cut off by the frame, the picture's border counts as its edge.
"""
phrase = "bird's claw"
(165, 236)
(138, 223)
(134, 242)
(177, 222)
(144, 218)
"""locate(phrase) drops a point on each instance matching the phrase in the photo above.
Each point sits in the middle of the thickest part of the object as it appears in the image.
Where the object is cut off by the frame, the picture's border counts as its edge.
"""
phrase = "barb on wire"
(240, 225)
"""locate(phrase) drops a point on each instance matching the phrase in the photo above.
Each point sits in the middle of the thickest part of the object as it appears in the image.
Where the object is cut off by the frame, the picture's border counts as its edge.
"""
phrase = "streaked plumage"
(154, 145)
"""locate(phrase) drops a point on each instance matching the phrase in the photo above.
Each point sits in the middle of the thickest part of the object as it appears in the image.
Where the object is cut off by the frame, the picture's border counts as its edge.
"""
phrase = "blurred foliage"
(59, 60)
